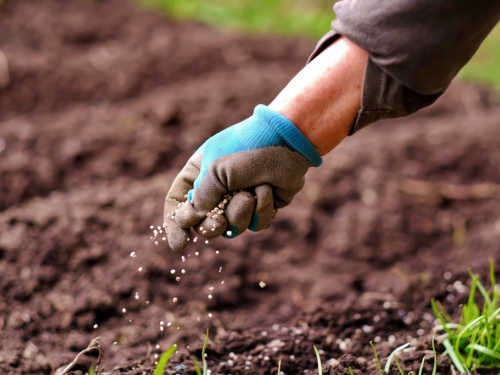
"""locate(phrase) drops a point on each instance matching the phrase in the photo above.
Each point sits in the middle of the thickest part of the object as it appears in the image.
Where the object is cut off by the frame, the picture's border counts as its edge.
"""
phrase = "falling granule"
(133, 255)
(183, 258)
(124, 310)
(116, 342)
(197, 253)
(169, 324)
(140, 269)
(162, 323)
(156, 356)
(161, 328)
(183, 271)
(195, 239)
(229, 233)
(222, 282)
(206, 242)
(95, 326)
(164, 238)
(156, 243)
(210, 296)
(172, 272)
(137, 296)
(175, 299)
(209, 315)
(151, 227)
(157, 346)
(155, 232)
(262, 284)
(220, 269)
(177, 278)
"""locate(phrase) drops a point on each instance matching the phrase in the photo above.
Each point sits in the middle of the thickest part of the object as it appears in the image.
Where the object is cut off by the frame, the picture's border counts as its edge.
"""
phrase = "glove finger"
(178, 238)
(212, 226)
(205, 198)
(264, 208)
(238, 213)
(185, 179)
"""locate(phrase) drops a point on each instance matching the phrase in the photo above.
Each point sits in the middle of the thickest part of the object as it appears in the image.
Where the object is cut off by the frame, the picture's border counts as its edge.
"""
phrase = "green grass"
(474, 342)
(392, 357)
(309, 18)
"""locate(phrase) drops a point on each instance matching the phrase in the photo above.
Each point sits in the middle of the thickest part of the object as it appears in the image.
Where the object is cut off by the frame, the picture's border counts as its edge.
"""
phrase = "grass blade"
(421, 367)
(350, 371)
(434, 370)
(162, 363)
(91, 370)
(320, 372)
(485, 350)
(376, 358)
(205, 368)
(454, 358)
(398, 366)
(196, 367)
(393, 355)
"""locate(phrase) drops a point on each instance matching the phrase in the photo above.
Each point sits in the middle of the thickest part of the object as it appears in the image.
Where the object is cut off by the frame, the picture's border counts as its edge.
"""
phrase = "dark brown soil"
(105, 104)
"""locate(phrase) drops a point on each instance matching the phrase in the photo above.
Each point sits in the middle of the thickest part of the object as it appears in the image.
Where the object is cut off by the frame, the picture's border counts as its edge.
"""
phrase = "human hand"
(261, 160)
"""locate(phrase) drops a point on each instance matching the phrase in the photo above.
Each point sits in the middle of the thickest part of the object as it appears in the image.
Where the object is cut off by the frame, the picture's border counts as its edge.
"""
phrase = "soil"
(104, 105)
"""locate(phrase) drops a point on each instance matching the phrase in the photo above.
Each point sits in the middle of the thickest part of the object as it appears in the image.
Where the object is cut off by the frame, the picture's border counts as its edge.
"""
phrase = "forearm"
(323, 99)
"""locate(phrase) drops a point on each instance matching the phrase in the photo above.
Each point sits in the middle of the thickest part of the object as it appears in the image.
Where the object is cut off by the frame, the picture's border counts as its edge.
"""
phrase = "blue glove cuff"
(275, 129)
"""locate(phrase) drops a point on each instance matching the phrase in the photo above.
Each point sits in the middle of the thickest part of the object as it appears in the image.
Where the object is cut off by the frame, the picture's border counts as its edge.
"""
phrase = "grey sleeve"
(416, 48)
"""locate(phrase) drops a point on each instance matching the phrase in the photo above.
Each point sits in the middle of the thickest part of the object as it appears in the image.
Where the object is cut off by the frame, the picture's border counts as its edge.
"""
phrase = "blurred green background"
(309, 18)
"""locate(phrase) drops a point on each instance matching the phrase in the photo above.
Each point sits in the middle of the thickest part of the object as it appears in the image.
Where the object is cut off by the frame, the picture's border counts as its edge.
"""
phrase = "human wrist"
(323, 99)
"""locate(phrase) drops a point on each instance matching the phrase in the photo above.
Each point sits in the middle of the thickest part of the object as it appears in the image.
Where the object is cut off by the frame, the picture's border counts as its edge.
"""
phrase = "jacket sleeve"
(416, 48)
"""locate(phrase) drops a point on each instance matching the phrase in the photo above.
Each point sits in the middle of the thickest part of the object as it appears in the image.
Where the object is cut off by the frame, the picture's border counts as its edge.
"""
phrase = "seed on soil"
(172, 272)
(183, 258)
(209, 315)
(124, 310)
(210, 296)
(222, 282)
(262, 284)
(175, 300)
(157, 346)
(151, 227)
(220, 269)
(136, 295)
(140, 269)
(447, 275)
(206, 242)
(169, 324)
(95, 326)
(161, 328)
(178, 278)
(147, 302)
(133, 255)
(197, 253)
(164, 238)
(162, 323)
(229, 233)
(156, 243)
(195, 239)
(116, 342)
(183, 271)
(264, 333)
(275, 327)
(217, 252)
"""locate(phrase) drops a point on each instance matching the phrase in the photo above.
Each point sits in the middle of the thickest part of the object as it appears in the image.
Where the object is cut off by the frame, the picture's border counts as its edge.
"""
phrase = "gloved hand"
(239, 178)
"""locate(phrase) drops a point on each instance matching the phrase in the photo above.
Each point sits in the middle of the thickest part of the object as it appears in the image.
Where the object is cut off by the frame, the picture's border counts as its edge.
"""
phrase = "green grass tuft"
(474, 343)
(165, 357)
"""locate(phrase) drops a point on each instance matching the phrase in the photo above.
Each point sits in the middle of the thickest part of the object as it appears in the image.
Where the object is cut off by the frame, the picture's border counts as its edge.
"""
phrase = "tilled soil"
(105, 104)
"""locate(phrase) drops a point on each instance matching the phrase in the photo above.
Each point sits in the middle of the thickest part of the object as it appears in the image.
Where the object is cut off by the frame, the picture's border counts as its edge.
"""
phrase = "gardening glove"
(239, 178)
